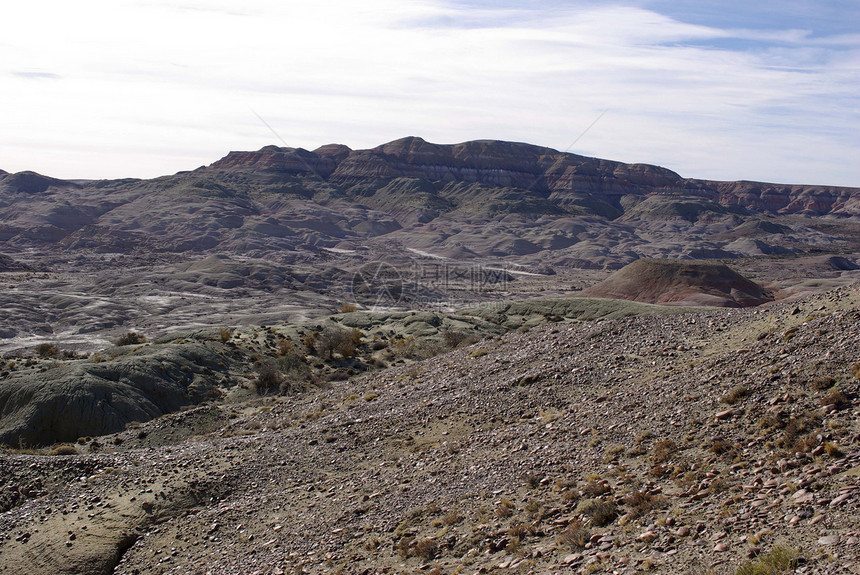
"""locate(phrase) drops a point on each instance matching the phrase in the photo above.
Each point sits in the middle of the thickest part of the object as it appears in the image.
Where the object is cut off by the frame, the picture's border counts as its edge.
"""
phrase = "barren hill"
(681, 283)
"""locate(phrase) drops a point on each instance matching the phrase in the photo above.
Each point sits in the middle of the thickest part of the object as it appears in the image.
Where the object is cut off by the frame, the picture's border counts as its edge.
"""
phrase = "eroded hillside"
(685, 443)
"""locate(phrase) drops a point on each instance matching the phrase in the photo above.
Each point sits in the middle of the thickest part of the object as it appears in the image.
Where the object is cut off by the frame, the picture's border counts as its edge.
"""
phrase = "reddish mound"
(681, 283)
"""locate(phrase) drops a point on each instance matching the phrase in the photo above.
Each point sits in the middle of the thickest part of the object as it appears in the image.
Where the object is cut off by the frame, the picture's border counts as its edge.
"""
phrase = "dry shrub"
(504, 509)
(519, 530)
(720, 446)
(451, 518)
(822, 382)
(46, 350)
(575, 536)
(600, 512)
(833, 450)
(663, 451)
(337, 339)
(285, 346)
(225, 333)
(131, 338)
(64, 449)
(309, 340)
(641, 502)
(426, 548)
(595, 488)
(348, 308)
(458, 339)
(269, 377)
(735, 394)
(837, 398)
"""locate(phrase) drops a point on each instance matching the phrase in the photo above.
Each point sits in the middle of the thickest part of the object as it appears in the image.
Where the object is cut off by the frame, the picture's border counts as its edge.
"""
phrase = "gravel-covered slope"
(672, 444)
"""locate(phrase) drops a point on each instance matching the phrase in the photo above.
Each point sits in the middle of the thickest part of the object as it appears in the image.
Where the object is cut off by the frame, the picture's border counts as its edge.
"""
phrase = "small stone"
(572, 558)
(683, 531)
(839, 500)
(647, 537)
(829, 540)
(721, 548)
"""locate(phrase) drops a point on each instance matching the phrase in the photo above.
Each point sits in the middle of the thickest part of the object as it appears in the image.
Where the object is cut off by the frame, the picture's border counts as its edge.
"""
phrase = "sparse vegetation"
(601, 513)
(269, 377)
(575, 535)
(735, 394)
(663, 451)
(780, 559)
(131, 338)
(64, 449)
(47, 350)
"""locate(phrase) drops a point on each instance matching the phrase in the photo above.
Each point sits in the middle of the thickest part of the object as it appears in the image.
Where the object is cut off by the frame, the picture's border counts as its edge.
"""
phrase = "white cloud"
(146, 88)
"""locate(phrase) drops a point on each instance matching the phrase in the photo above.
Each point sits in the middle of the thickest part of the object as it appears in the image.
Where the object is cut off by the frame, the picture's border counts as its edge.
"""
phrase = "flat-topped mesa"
(481, 161)
(544, 171)
(293, 161)
(790, 199)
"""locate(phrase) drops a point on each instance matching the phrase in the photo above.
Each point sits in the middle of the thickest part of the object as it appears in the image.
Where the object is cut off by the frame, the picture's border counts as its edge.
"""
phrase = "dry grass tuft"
(575, 536)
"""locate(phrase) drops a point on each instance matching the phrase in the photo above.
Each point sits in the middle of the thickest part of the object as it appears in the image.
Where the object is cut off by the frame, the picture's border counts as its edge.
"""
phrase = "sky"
(728, 90)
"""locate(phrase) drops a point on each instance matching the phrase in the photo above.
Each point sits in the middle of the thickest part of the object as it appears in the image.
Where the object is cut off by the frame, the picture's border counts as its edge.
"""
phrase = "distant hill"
(476, 199)
(681, 283)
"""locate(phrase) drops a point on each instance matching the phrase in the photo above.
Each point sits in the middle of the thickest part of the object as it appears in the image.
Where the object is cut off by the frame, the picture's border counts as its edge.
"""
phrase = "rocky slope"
(720, 441)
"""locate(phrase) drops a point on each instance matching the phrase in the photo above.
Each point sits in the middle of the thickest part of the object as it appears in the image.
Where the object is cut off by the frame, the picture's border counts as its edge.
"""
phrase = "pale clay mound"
(672, 444)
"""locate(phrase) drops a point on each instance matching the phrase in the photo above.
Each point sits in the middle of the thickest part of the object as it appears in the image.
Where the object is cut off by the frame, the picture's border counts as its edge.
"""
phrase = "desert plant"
(348, 308)
(269, 377)
(131, 338)
(837, 398)
(735, 394)
(822, 382)
(64, 449)
(426, 548)
(309, 340)
(46, 350)
(780, 559)
(336, 339)
(504, 509)
(225, 333)
(833, 449)
(663, 451)
(285, 346)
(457, 338)
(641, 502)
(575, 536)
(600, 512)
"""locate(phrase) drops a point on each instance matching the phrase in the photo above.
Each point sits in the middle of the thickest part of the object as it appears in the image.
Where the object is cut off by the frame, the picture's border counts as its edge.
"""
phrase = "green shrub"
(780, 559)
